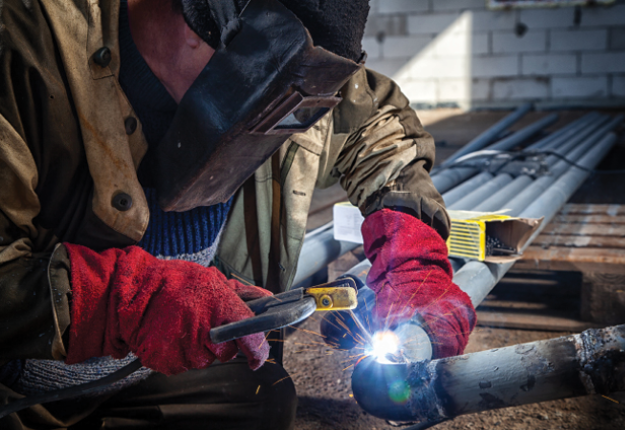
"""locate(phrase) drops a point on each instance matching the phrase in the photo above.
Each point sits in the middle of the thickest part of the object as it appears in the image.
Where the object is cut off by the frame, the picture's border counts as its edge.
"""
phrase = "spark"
(611, 399)
(309, 344)
(348, 367)
(286, 377)
(308, 331)
(257, 390)
(264, 340)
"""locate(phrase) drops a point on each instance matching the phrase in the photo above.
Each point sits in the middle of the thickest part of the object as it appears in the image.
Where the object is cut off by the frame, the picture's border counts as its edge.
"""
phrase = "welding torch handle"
(275, 315)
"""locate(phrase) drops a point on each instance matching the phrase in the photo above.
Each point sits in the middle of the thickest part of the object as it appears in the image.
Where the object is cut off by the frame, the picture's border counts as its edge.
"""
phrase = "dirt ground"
(322, 378)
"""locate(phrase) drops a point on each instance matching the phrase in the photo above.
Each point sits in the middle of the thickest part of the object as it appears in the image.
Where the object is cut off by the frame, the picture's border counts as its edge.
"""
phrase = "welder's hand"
(126, 300)
(411, 273)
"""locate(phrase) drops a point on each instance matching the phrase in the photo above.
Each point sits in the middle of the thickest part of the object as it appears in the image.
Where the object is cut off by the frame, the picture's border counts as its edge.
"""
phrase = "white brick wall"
(403, 6)
(404, 47)
(480, 43)
(430, 23)
(549, 64)
(457, 51)
(617, 38)
(455, 5)
(578, 40)
(580, 87)
(603, 62)
(599, 17)
(490, 67)
(520, 89)
(491, 20)
(480, 89)
(618, 86)
(547, 18)
(508, 42)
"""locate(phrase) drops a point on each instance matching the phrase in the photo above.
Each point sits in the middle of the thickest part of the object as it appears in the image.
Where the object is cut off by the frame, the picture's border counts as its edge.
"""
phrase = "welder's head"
(336, 25)
(276, 71)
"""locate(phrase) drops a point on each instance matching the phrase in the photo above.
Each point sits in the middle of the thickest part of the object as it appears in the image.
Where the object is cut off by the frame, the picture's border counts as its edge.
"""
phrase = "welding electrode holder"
(285, 309)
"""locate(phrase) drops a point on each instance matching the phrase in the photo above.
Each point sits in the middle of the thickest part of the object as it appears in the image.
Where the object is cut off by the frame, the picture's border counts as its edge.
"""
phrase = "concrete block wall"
(459, 53)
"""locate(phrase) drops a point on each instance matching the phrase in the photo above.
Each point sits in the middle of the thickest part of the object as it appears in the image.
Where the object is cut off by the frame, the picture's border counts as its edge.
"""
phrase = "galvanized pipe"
(320, 249)
(480, 194)
(495, 201)
(525, 133)
(553, 141)
(510, 192)
(592, 362)
(446, 179)
(558, 136)
(489, 135)
(518, 203)
(457, 193)
(449, 178)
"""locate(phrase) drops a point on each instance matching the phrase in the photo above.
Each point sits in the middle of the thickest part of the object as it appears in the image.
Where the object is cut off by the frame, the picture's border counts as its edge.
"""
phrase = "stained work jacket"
(70, 144)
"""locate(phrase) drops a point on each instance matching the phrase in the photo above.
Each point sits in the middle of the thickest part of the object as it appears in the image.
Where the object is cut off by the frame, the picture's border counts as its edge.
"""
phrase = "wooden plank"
(546, 240)
(532, 321)
(586, 229)
(587, 209)
(602, 260)
(603, 298)
(588, 219)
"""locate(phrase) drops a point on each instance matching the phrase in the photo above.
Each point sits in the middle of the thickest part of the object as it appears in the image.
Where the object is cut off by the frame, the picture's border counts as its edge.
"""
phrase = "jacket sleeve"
(34, 283)
(382, 154)
(34, 286)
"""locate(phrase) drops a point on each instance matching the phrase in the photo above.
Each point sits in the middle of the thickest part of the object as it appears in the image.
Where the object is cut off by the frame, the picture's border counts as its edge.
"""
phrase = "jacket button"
(102, 57)
(130, 124)
(122, 202)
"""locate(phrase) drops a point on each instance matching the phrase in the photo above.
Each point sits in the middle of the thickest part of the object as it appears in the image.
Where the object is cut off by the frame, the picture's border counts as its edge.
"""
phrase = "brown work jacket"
(70, 143)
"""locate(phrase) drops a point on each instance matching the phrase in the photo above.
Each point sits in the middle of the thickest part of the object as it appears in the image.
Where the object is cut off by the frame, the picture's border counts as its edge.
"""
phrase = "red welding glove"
(410, 274)
(126, 300)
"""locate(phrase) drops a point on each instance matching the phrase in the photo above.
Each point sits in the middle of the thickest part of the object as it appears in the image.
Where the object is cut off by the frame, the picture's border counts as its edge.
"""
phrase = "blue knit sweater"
(192, 235)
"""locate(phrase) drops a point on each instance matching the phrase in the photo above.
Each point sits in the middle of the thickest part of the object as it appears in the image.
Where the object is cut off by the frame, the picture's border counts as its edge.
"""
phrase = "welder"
(157, 163)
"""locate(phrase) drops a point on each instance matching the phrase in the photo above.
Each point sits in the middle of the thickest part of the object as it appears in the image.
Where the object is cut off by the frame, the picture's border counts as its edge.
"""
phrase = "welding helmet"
(266, 81)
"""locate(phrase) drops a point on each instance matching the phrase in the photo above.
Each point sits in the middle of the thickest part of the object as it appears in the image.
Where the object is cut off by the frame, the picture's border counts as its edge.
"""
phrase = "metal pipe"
(524, 134)
(476, 196)
(446, 179)
(570, 129)
(518, 203)
(592, 362)
(489, 135)
(553, 141)
(320, 249)
(449, 178)
(457, 193)
(496, 200)
(510, 192)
